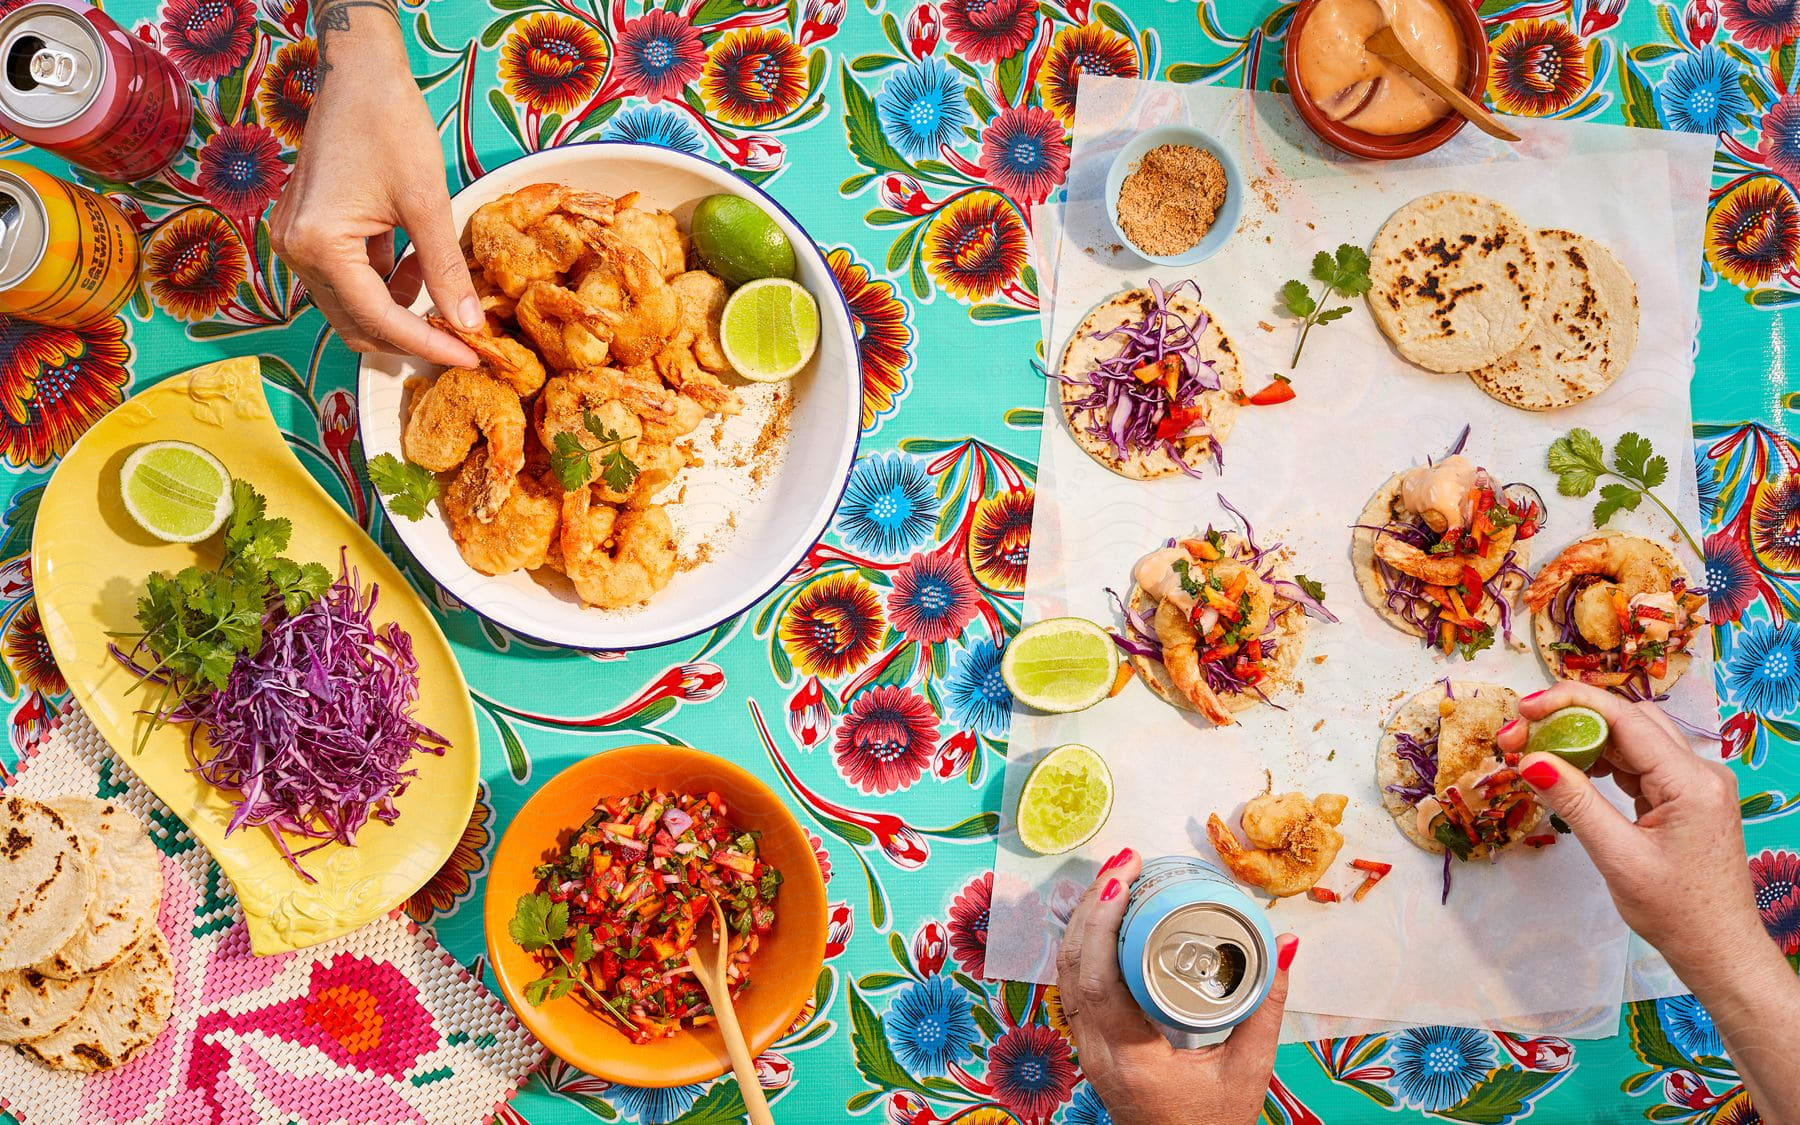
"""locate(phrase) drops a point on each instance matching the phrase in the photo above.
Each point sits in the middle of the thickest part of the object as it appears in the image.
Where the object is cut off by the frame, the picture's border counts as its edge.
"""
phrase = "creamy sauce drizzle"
(1440, 492)
(1155, 575)
(1368, 93)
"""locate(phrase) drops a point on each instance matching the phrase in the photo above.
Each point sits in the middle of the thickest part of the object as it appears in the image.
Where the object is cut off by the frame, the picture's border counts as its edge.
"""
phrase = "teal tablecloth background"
(912, 140)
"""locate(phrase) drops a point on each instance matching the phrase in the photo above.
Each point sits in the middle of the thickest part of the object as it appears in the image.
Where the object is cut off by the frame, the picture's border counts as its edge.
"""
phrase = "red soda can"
(72, 82)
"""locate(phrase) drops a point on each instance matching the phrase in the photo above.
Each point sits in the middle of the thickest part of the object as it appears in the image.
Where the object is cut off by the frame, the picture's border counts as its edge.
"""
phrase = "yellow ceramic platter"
(89, 561)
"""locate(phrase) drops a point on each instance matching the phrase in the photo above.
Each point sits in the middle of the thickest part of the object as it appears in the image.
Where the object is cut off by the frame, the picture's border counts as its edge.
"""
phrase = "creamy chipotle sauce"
(1364, 92)
(1440, 491)
(1155, 574)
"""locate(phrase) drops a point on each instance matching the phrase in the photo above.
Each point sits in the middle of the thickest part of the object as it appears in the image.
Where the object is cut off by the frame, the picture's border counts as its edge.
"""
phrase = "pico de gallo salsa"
(620, 907)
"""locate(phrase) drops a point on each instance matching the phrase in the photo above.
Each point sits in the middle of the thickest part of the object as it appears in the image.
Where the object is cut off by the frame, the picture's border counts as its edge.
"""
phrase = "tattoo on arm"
(334, 16)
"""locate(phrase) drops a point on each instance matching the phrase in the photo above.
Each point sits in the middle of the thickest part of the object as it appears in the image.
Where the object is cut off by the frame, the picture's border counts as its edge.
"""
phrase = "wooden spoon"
(1385, 44)
(718, 990)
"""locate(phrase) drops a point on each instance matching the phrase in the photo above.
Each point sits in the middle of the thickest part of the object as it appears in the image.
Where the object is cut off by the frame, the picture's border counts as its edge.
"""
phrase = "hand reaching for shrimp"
(370, 162)
(1679, 875)
(1141, 1078)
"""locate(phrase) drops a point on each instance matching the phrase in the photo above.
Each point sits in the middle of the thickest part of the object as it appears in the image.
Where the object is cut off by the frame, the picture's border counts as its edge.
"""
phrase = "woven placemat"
(378, 1025)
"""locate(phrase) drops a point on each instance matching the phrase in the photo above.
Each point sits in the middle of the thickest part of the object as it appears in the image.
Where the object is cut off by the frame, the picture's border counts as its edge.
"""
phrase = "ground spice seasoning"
(1169, 201)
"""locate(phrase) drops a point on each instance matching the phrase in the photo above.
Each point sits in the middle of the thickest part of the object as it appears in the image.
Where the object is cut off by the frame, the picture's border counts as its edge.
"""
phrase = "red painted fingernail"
(1285, 947)
(1110, 891)
(1508, 726)
(1539, 775)
(1534, 695)
(1124, 854)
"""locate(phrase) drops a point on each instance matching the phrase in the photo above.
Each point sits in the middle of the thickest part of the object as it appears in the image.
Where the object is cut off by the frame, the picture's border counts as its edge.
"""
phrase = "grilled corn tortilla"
(1085, 350)
(1385, 507)
(1465, 742)
(1545, 632)
(1586, 330)
(128, 888)
(128, 1009)
(1456, 281)
(47, 881)
(33, 1006)
(1289, 633)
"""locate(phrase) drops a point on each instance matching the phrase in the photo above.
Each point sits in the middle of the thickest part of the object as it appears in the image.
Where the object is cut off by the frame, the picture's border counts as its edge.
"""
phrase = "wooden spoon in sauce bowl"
(1385, 44)
(713, 978)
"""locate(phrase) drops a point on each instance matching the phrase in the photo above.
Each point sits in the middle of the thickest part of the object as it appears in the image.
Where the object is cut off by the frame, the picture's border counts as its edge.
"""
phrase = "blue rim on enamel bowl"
(1224, 223)
(818, 455)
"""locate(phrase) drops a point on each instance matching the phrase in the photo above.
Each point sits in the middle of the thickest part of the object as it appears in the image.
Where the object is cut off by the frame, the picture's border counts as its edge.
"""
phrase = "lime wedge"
(1576, 734)
(1066, 799)
(769, 329)
(177, 492)
(737, 240)
(1060, 665)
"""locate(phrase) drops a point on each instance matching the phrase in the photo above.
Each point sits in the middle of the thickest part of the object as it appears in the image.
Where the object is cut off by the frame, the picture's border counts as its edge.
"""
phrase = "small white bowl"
(761, 530)
(1224, 223)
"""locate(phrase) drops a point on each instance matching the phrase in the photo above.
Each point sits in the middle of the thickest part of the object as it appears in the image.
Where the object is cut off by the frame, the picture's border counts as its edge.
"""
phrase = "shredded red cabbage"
(314, 731)
(1125, 412)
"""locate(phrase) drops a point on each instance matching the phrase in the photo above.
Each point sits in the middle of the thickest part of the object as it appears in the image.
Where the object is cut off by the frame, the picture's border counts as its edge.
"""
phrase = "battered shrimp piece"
(620, 278)
(501, 356)
(1293, 841)
(518, 536)
(676, 364)
(537, 232)
(1633, 565)
(1443, 570)
(615, 558)
(617, 397)
(569, 330)
(1181, 656)
(497, 305)
(702, 297)
(657, 465)
(657, 234)
(459, 408)
(612, 415)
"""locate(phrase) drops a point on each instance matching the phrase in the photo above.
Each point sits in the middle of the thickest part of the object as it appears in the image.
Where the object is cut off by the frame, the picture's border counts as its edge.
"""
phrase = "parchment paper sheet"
(1533, 941)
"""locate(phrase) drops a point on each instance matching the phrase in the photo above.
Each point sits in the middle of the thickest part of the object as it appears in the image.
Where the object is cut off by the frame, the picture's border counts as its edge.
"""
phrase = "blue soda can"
(1195, 950)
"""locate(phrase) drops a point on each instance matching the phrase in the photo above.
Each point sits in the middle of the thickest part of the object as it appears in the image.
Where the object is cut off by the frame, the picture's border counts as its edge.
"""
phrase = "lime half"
(737, 240)
(1066, 799)
(769, 329)
(1061, 665)
(1575, 734)
(177, 492)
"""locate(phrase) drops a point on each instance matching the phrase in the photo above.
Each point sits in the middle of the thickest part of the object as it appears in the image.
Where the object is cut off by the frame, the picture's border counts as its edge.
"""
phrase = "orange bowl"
(1375, 146)
(785, 967)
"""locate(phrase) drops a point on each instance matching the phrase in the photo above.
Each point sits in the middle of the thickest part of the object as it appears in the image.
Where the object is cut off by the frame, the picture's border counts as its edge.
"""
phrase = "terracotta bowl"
(1401, 145)
(783, 971)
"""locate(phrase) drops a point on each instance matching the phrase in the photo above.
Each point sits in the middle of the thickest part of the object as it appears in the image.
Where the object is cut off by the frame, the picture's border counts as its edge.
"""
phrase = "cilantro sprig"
(198, 621)
(1579, 461)
(539, 924)
(1345, 274)
(409, 488)
(572, 460)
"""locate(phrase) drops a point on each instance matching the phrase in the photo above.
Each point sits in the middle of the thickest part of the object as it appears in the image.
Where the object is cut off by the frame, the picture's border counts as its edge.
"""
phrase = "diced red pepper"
(1279, 391)
(1543, 841)
(1322, 894)
(1177, 421)
(1372, 865)
(1583, 661)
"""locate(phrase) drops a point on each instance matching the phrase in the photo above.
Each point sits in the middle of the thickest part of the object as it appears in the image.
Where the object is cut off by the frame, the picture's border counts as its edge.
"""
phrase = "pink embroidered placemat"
(379, 1025)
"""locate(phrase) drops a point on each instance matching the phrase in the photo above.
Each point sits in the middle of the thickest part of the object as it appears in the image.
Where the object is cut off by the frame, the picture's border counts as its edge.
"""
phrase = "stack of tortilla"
(85, 978)
(1539, 319)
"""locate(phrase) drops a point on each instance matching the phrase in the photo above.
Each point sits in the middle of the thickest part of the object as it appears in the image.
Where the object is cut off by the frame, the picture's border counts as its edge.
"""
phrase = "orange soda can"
(68, 257)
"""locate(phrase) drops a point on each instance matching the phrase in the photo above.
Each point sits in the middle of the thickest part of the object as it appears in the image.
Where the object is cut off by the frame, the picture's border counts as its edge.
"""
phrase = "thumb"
(441, 263)
(1609, 838)
(1249, 1055)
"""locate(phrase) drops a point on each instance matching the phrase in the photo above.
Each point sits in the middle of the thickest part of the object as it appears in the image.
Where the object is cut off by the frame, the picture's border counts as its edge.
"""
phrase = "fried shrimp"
(1444, 569)
(501, 356)
(518, 536)
(1181, 656)
(569, 330)
(657, 234)
(678, 367)
(657, 465)
(459, 408)
(616, 397)
(537, 232)
(615, 558)
(621, 279)
(702, 299)
(1631, 564)
(1293, 841)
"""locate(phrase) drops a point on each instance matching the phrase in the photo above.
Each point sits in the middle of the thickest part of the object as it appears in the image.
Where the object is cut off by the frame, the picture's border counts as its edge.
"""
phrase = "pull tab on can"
(1210, 967)
(55, 67)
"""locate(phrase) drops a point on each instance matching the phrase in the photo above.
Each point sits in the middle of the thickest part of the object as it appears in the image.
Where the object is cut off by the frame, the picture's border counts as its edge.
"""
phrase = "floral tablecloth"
(914, 136)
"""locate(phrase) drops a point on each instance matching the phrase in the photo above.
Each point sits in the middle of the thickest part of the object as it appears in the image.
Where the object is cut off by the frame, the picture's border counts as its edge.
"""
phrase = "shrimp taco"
(1216, 624)
(1150, 383)
(1617, 611)
(1444, 780)
(1440, 552)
